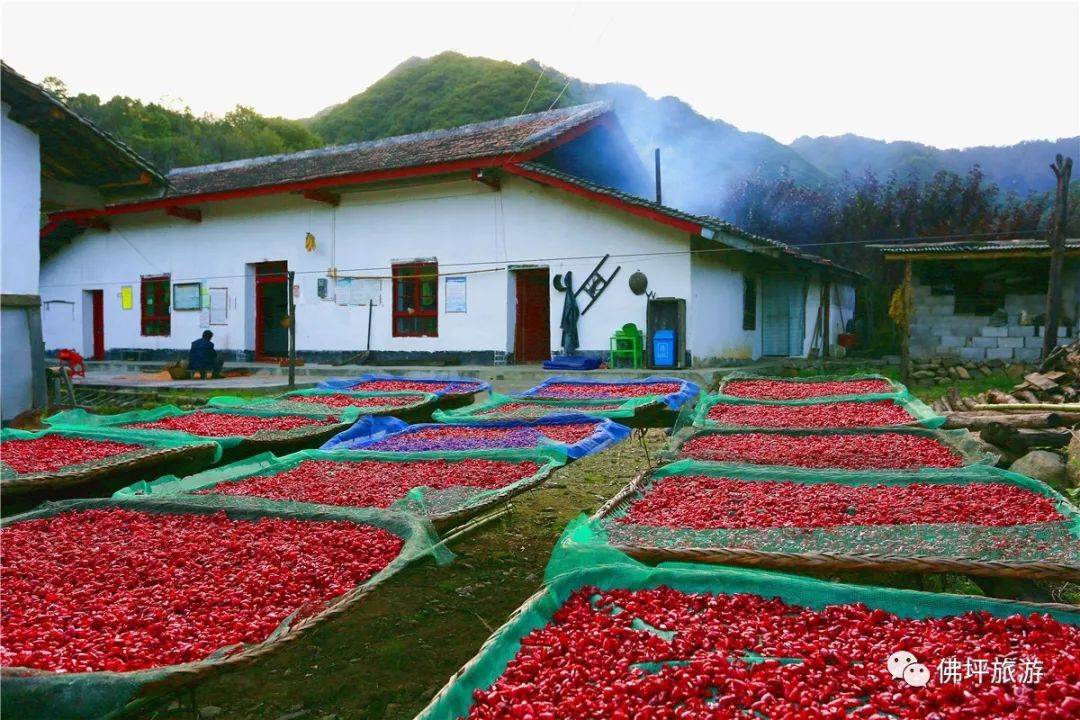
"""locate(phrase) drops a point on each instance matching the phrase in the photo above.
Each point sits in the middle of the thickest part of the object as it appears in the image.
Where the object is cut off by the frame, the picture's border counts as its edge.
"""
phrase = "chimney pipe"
(659, 195)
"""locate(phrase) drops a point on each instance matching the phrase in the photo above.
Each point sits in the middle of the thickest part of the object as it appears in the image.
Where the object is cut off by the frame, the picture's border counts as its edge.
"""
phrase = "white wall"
(20, 195)
(715, 328)
(462, 222)
(16, 370)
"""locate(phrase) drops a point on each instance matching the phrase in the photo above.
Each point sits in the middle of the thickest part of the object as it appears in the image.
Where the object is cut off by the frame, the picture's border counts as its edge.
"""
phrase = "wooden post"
(1063, 172)
(292, 331)
(826, 302)
(905, 327)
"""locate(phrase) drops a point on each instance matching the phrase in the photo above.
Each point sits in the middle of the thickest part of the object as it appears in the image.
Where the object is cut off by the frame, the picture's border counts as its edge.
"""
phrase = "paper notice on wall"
(218, 312)
(358, 291)
(204, 318)
(126, 297)
(455, 294)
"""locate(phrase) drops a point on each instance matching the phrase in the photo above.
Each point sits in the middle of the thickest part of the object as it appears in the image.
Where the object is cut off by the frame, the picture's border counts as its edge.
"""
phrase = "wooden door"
(271, 309)
(532, 328)
(97, 298)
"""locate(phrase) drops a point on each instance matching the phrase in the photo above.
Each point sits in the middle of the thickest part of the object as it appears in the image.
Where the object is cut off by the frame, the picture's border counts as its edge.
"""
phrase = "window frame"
(158, 289)
(750, 300)
(414, 275)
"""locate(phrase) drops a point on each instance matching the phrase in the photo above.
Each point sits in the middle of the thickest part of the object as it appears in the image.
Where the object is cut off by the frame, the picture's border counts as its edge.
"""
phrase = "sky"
(949, 75)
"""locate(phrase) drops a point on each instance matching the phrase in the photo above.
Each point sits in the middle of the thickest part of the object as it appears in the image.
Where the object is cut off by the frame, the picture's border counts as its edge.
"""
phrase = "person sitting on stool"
(203, 358)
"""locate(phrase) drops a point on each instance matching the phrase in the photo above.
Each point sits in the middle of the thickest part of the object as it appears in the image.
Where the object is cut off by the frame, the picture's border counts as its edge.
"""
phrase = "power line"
(502, 264)
(536, 85)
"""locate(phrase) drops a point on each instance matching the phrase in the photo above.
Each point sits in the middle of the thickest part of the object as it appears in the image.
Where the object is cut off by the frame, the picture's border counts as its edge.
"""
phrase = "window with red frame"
(154, 305)
(416, 300)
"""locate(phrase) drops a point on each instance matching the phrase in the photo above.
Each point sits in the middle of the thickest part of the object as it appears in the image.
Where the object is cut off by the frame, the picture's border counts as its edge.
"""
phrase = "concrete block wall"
(937, 331)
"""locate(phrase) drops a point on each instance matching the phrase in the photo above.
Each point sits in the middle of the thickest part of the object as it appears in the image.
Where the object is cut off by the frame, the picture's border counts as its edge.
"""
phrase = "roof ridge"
(575, 114)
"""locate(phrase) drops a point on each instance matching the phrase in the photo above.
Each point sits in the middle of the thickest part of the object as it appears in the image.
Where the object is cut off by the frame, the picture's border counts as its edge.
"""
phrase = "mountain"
(1020, 168)
(701, 157)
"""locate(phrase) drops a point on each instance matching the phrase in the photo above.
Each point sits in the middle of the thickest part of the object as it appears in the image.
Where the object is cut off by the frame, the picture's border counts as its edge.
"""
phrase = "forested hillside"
(175, 138)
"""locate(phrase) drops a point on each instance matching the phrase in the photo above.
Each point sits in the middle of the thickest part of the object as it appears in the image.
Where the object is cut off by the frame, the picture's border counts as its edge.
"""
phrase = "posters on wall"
(456, 295)
(358, 291)
(127, 297)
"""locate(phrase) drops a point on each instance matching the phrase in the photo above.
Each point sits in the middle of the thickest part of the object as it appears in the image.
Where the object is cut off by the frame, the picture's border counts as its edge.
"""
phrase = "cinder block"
(1033, 342)
(993, 331)
(956, 341)
(1021, 331)
(1011, 342)
(999, 354)
(940, 310)
(947, 351)
(984, 342)
(973, 353)
(1026, 354)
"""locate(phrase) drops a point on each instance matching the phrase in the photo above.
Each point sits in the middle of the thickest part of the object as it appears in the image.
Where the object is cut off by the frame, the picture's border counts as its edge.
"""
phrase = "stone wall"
(937, 331)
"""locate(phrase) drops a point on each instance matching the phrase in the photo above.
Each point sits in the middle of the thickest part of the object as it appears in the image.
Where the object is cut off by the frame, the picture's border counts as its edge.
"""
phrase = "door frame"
(518, 335)
(267, 273)
(95, 349)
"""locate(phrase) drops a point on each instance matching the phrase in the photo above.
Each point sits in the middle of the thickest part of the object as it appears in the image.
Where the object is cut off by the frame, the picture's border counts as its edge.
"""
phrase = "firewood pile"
(1038, 412)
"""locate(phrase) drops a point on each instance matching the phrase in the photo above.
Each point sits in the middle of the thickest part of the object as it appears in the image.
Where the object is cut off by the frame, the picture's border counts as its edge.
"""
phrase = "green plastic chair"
(628, 343)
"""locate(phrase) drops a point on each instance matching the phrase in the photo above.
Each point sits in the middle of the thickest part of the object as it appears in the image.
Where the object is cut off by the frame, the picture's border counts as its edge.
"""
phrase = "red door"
(98, 299)
(532, 336)
(271, 309)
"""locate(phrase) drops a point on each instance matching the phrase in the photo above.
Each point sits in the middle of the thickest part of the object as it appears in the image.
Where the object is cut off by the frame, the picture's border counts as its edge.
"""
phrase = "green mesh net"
(918, 413)
(895, 389)
(312, 434)
(757, 509)
(36, 694)
(410, 406)
(507, 407)
(441, 505)
(150, 443)
(581, 560)
(967, 449)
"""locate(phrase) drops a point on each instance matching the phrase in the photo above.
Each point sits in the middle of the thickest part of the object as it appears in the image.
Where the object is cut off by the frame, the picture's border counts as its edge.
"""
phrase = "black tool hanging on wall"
(595, 284)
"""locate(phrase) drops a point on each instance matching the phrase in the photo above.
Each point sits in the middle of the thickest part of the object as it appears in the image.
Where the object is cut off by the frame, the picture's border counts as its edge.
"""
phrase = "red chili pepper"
(431, 386)
(662, 653)
(208, 423)
(704, 503)
(874, 413)
(604, 391)
(374, 483)
(125, 590)
(852, 451)
(464, 437)
(52, 452)
(802, 390)
(343, 400)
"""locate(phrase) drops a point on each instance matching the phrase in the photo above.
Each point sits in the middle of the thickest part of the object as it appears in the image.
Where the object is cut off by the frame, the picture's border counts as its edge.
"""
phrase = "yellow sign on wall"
(127, 300)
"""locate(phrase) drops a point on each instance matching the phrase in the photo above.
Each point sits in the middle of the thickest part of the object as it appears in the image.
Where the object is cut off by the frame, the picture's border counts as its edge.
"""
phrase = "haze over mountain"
(702, 157)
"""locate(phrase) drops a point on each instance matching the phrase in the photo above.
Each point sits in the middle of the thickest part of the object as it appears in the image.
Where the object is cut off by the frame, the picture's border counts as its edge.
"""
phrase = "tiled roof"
(504, 137)
(713, 224)
(972, 246)
(73, 149)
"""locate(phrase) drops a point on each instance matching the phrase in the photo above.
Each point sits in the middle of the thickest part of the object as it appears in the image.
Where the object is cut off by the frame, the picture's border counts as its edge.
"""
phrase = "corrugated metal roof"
(972, 246)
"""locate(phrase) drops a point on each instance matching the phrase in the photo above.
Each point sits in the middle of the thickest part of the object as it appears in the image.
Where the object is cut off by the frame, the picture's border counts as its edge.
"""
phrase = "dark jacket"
(202, 356)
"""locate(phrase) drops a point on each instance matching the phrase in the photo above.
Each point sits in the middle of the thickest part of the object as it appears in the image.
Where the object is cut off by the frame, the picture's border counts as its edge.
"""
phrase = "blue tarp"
(368, 432)
(466, 386)
(686, 395)
(572, 362)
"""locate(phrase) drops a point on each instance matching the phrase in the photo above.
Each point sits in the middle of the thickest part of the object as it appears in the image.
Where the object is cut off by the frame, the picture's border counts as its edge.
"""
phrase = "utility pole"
(1062, 168)
(292, 331)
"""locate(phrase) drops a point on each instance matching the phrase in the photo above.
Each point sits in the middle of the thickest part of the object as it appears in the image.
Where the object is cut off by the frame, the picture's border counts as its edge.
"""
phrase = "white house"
(445, 243)
(51, 159)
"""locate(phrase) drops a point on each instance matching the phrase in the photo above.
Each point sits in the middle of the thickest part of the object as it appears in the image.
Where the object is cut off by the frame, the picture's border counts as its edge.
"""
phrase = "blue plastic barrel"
(663, 348)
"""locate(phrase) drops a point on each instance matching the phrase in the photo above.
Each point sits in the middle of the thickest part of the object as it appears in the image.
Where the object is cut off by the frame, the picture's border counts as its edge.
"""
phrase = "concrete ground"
(268, 376)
